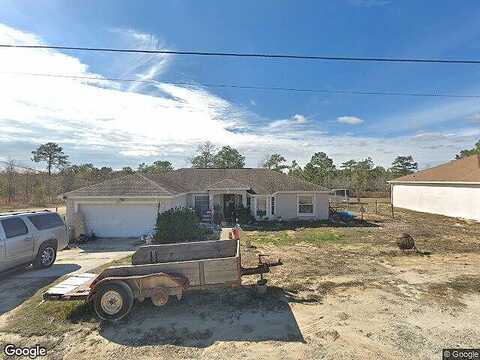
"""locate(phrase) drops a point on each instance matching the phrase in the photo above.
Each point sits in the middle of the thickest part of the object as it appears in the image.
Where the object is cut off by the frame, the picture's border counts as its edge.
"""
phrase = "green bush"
(179, 225)
(217, 215)
(243, 215)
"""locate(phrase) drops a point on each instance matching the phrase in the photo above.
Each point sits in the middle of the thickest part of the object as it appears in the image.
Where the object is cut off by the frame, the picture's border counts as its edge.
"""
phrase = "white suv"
(31, 238)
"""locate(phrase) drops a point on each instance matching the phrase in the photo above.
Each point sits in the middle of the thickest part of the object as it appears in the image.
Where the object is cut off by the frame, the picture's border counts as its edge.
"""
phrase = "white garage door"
(119, 220)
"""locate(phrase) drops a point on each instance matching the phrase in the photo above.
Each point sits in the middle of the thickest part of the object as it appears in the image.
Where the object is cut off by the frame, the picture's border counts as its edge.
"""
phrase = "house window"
(261, 206)
(305, 205)
(273, 205)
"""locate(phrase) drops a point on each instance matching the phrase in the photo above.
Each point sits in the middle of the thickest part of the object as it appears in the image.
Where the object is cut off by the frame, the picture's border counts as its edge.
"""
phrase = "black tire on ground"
(46, 256)
(113, 300)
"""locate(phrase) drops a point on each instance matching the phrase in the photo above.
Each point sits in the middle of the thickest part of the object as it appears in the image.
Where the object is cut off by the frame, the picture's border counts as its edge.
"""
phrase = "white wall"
(451, 200)
(286, 206)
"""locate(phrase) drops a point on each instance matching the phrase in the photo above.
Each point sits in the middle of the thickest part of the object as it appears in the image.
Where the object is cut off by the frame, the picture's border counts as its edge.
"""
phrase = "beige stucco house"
(128, 206)
(451, 189)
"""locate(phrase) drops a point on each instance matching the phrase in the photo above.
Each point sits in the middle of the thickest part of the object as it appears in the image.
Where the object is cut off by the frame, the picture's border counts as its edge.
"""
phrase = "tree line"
(19, 184)
(359, 176)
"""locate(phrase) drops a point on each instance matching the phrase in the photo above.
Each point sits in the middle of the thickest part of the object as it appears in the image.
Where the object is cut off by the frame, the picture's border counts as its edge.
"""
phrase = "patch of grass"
(37, 318)
(279, 239)
(274, 226)
(314, 237)
(317, 237)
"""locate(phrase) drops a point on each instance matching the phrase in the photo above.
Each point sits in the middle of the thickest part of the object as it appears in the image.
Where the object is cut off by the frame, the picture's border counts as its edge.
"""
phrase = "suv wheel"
(47, 253)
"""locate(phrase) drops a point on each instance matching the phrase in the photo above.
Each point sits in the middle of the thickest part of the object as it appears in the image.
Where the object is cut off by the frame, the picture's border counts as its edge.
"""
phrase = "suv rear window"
(46, 221)
(14, 227)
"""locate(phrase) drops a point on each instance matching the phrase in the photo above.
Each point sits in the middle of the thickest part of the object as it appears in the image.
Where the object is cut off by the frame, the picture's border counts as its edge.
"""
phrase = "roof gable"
(463, 170)
(228, 184)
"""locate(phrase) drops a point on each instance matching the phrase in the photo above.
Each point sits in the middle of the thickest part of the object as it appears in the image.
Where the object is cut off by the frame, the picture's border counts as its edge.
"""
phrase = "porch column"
(269, 208)
(254, 206)
(210, 201)
(244, 198)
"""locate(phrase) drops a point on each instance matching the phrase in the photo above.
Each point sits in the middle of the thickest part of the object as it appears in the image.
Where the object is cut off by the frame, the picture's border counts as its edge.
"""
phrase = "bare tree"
(205, 156)
(11, 178)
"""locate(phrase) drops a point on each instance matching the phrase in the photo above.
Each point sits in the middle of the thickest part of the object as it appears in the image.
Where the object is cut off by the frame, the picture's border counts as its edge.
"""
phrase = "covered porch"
(226, 203)
(224, 197)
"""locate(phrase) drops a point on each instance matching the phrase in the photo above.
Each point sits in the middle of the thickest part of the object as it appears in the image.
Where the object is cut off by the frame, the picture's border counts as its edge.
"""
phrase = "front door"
(228, 206)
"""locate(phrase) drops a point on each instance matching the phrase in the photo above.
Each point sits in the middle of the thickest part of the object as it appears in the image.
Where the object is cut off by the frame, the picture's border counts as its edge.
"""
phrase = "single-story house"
(451, 189)
(128, 206)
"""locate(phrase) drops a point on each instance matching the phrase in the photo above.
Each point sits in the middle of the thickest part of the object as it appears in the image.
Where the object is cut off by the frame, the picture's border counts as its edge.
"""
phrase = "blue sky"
(119, 124)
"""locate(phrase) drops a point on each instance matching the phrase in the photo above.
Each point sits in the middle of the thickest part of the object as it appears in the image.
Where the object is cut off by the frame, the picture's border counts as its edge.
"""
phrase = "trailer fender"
(145, 286)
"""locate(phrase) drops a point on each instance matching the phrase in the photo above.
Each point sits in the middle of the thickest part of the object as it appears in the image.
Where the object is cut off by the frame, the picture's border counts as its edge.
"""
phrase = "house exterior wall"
(69, 210)
(177, 201)
(286, 206)
(450, 200)
(322, 206)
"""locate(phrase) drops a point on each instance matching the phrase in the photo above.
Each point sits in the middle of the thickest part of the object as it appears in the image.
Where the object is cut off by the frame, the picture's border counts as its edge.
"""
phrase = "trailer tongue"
(158, 272)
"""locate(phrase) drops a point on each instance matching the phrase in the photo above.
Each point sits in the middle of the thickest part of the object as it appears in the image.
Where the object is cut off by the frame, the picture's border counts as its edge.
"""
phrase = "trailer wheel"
(113, 300)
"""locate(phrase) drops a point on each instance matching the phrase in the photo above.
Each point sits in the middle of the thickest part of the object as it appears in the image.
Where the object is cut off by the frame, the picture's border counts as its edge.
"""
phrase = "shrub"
(217, 215)
(243, 215)
(179, 225)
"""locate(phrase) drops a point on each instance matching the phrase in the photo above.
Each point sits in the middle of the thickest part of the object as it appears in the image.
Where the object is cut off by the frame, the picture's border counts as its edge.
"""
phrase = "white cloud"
(140, 66)
(299, 119)
(474, 118)
(350, 120)
(295, 120)
(109, 125)
(432, 113)
(73, 112)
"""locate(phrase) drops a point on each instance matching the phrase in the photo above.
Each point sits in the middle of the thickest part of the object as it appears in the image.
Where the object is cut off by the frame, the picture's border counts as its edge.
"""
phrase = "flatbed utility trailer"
(158, 272)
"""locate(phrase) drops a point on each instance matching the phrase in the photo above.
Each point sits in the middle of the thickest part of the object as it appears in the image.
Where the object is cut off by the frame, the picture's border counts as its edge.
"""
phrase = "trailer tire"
(113, 300)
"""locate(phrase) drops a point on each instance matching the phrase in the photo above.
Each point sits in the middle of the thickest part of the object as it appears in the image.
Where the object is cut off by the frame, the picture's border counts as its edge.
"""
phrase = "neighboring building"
(451, 189)
(128, 206)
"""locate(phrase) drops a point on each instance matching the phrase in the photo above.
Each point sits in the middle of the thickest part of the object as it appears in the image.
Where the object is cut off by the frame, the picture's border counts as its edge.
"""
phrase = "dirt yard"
(344, 292)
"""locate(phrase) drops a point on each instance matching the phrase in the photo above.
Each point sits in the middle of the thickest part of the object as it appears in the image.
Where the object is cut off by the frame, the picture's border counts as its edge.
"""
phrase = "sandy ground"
(360, 298)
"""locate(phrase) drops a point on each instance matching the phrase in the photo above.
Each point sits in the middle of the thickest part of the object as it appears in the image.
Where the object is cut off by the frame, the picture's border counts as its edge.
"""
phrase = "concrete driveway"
(18, 285)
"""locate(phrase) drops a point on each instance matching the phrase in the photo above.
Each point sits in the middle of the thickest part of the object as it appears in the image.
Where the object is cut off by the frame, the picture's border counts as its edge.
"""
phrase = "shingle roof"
(462, 170)
(129, 185)
(259, 181)
(227, 184)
